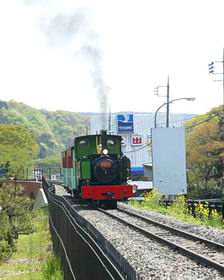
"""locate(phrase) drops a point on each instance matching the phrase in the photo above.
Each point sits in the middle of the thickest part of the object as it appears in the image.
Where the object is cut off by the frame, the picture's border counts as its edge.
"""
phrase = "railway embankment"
(149, 258)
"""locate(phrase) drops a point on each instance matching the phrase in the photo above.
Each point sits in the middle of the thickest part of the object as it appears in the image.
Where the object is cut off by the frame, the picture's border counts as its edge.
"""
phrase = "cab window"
(111, 143)
(83, 143)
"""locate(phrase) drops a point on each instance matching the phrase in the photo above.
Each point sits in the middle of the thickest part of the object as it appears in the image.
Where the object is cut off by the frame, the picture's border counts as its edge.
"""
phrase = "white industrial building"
(135, 128)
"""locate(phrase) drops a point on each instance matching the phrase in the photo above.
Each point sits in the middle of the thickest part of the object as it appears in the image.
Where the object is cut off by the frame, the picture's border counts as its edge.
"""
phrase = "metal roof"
(142, 185)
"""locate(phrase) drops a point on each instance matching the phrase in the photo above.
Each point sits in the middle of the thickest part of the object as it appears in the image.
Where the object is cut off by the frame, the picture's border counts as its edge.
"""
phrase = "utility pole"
(156, 92)
(211, 69)
(168, 102)
(223, 77)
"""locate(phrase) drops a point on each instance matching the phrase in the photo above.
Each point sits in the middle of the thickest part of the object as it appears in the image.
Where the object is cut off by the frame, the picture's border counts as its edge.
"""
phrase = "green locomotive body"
(96, 170)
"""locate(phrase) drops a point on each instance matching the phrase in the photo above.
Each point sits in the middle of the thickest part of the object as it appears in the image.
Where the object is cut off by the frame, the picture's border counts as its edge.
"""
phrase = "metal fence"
(217, 205)
(52, 173)
(212, 204)
(84, 252)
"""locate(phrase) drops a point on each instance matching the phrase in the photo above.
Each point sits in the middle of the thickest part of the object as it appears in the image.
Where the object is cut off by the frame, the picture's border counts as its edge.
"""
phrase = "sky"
(84, 56)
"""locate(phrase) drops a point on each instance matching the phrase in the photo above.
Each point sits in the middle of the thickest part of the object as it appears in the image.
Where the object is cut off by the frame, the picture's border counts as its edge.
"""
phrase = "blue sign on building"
(125, 123)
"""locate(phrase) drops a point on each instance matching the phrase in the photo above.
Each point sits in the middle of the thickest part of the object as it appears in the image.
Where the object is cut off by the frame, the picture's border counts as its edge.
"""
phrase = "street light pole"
(166, 103)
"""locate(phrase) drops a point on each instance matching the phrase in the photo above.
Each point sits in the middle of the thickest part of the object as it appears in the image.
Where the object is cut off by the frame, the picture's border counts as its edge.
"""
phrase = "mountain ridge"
(54, 130)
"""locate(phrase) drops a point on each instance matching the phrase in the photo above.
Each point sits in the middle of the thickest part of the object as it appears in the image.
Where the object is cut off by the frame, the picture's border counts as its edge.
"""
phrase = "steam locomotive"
(95, 170)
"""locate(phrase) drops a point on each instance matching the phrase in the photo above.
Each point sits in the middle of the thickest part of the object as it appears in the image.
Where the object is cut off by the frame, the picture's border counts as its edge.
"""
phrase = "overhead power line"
(188, 127)
(204, 121)
(143, 147)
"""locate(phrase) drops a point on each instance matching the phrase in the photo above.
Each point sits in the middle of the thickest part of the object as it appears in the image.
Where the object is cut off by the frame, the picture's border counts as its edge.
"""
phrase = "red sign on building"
(136, 139)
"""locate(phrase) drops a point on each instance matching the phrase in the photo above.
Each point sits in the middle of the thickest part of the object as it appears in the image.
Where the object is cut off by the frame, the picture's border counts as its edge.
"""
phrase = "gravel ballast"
(200, 230)
(149, 258)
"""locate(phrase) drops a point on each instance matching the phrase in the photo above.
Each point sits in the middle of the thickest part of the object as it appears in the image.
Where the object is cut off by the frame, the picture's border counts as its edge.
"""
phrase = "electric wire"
(188, 127)
(204, 121)
(141, 148)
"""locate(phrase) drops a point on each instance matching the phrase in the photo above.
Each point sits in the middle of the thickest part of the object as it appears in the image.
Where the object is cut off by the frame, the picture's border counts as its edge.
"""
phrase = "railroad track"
(201, 250)
(149, 258)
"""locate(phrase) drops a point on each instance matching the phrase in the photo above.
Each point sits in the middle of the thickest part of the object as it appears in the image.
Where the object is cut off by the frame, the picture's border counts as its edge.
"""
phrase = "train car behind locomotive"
(96, 170)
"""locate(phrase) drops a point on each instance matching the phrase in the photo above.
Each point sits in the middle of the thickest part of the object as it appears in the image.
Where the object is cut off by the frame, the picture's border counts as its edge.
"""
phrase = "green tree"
(54, 130)
(15, 217)
(18, 146)
(205, 149)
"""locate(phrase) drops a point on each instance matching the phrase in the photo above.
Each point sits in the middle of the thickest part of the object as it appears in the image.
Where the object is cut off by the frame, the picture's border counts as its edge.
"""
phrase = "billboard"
(169, 160)
(125, 123)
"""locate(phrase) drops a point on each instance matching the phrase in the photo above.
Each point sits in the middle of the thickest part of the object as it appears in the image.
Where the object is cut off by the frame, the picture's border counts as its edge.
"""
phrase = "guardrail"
(84, 252)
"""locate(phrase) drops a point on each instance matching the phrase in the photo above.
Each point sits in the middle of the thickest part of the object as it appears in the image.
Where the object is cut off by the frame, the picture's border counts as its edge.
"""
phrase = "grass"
(34, 259)
(179, 210)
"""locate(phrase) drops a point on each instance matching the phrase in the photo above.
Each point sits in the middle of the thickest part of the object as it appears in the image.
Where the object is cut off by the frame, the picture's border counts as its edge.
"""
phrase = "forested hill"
(54, 130)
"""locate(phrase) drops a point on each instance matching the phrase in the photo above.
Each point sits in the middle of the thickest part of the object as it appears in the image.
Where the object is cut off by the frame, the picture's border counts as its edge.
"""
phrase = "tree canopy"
(55, 131)
(205, 152)
(18, 146)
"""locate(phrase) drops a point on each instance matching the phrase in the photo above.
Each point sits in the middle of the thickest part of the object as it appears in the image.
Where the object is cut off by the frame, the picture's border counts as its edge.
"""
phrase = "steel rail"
(175, 230)
(194, 256)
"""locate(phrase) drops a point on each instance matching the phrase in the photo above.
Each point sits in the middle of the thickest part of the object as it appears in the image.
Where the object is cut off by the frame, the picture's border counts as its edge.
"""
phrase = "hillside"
(54, 130)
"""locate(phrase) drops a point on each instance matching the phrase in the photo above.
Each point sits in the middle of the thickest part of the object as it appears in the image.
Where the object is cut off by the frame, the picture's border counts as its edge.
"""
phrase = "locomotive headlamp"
(105, 151)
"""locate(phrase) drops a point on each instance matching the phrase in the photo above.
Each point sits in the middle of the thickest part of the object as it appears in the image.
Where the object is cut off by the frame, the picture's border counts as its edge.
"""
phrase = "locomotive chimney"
(104, 139)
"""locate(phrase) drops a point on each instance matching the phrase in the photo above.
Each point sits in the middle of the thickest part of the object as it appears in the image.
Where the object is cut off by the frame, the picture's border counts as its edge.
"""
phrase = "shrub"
(213, 218)
(15, 217)
(134, 203)
(52, 269)
(179, 206)
(152, 199)
(202, 211)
